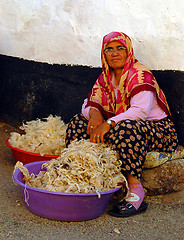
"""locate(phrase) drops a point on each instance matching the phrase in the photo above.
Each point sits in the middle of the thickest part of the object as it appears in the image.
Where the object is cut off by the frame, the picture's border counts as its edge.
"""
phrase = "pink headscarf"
(135, 78)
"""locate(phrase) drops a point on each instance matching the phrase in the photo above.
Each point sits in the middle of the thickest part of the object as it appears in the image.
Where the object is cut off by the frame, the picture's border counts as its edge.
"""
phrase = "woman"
(127, 109)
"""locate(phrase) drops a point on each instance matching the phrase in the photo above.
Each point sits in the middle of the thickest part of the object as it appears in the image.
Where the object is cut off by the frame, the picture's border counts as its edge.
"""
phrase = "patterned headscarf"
(135, 78)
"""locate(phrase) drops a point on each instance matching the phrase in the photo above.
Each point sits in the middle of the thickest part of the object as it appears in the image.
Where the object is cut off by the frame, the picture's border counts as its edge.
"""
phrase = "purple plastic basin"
(58, 205)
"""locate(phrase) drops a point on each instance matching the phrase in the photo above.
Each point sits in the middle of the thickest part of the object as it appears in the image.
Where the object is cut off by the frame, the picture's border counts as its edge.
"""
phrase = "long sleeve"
(143, 106)
(140, 107)
(84, 110)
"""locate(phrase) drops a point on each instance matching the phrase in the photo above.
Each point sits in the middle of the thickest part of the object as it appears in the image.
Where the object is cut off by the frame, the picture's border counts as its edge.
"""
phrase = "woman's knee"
(76, 129)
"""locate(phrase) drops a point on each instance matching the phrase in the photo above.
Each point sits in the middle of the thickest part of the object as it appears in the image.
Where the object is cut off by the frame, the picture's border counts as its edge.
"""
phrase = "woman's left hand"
(97, 136)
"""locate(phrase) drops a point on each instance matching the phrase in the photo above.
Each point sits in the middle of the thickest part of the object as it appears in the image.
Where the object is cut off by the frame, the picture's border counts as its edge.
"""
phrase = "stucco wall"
(70, 31)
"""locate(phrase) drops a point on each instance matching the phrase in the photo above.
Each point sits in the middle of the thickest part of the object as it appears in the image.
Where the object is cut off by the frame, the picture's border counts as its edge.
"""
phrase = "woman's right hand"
(96, 119)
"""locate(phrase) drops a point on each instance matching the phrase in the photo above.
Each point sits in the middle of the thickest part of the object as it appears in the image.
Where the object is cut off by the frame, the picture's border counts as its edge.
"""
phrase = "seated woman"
(126, 109)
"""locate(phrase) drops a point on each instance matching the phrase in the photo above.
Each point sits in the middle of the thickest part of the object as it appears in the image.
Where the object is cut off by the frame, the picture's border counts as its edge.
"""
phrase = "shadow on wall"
(31, 90)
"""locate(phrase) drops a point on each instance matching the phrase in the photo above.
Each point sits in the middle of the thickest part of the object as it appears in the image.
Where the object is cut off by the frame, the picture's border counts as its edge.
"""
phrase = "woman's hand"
(97, 135)
(96, 119)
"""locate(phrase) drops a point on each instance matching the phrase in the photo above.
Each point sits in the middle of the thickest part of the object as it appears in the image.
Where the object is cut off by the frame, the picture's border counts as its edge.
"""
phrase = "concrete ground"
(164, 219)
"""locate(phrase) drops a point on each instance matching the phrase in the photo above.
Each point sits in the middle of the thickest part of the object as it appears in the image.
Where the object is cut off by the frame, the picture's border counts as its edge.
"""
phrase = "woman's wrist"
(95, 113)
(111, 123)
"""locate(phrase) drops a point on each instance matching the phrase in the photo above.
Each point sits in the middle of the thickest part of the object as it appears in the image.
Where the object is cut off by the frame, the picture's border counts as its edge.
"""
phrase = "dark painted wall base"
(31, 90)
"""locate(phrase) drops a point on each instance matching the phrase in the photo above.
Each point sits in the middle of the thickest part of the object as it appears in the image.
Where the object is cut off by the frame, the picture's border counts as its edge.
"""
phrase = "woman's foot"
(136, 195)
(131, 205)
(126, 209)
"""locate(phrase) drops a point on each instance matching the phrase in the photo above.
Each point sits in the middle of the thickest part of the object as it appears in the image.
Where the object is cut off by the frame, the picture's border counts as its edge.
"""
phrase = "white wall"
(70, 31)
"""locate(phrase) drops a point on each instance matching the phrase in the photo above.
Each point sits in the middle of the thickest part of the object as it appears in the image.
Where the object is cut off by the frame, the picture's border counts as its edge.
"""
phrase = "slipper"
(126, 209)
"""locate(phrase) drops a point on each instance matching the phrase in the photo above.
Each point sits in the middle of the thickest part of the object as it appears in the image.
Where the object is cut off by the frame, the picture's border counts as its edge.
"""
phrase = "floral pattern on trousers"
(132, 139)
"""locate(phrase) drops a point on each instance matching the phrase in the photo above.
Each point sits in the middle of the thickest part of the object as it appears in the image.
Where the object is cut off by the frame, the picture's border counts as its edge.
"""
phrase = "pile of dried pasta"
(83, 167)
(45, 136)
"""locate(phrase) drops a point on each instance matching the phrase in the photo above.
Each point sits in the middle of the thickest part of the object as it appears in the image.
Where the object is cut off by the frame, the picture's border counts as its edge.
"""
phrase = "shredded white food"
(117, 231)
(83, 167)
(45, 136)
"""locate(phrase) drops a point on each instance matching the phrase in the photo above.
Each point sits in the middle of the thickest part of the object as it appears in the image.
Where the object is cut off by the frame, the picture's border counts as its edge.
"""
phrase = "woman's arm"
(96, 119)
(85, 110)
(140, 107)
(97, 127)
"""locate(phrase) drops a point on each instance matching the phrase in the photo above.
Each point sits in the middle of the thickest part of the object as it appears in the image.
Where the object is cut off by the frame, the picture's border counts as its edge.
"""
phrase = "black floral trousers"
(131, 139)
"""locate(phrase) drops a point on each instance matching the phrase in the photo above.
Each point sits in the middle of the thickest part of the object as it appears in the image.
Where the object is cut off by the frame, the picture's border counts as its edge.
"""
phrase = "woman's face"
(116, 54)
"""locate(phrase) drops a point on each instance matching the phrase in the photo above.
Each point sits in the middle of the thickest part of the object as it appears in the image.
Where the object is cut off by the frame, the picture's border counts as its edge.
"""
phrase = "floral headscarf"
(135, 78)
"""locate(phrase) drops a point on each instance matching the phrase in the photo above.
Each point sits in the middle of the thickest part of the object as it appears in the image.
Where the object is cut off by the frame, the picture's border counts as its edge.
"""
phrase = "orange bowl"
(28, 157)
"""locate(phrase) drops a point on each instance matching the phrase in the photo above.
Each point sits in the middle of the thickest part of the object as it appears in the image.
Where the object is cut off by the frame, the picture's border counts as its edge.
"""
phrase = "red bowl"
(28, 157)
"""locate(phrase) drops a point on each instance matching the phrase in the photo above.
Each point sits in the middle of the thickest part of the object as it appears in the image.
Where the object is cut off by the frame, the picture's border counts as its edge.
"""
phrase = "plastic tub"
(28, 157)
(62, 206)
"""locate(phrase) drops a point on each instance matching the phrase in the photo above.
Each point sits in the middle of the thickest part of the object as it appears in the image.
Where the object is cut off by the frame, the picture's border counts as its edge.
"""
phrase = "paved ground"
(164, 219)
